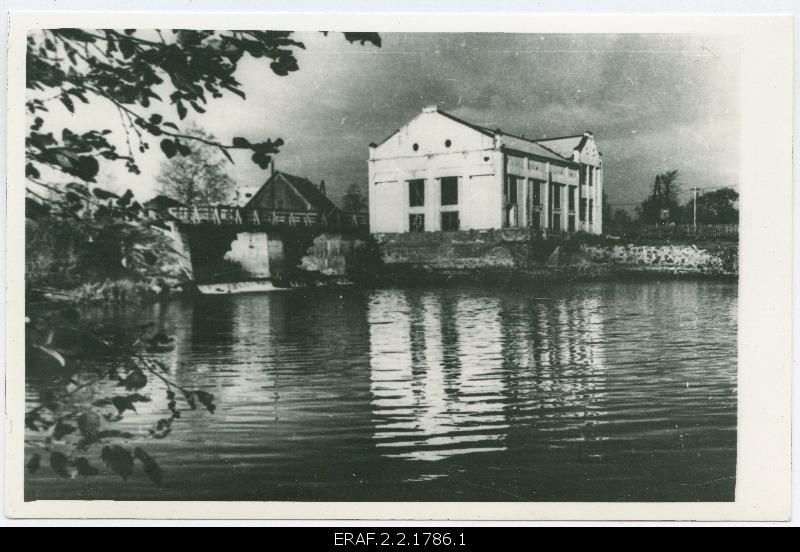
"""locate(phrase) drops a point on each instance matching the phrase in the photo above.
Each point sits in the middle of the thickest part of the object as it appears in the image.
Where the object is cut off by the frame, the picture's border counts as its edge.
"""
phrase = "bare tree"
(199, 178)
(354, 200)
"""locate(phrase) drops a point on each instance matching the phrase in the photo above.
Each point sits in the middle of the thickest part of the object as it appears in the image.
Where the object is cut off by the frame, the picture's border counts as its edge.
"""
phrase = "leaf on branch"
(239, 142)
(104, 195)
(84, 468)
(363, 38)
(31, 171)
(126, 198)
(63, 466)
(34, 209)
(169, 148)
(34, 463)
(183, 149)
(206, 399)
(226, 154)
(62, 429)
(135, 380)
(89, 424)
(235, 91)
(164, 426)
(190, 399)
(123, 404)
(118, 460)
(79, 189)
(115, 434)
(55, 355)
(126, 48)
(67, 101)
(32, 419)
(150, 466)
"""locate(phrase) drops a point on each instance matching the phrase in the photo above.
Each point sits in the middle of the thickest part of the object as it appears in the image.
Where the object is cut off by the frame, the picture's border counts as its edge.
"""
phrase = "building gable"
(579, 148)
(588, 152)
(285, 191)
(432, 133)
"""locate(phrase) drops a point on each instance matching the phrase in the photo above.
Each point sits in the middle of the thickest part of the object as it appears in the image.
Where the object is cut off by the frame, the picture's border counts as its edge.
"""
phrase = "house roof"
(529, 146)
(565, 145)
(539, 148)
(303, 187)
(510, 140)
(162, 202)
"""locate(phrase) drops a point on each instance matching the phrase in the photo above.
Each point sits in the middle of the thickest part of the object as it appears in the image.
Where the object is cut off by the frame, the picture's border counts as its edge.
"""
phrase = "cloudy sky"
(654, 102)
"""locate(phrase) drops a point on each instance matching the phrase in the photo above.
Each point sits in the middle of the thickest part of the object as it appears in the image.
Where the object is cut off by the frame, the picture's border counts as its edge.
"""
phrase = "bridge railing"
(227, 215)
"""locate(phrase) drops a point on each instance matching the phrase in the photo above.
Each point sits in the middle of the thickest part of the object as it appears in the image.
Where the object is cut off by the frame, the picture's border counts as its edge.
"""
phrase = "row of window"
(449, 222)
(449, 198)
(449, 191)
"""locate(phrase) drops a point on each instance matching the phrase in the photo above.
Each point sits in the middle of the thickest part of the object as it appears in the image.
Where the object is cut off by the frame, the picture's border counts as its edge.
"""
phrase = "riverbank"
(512, 255)
(493, 257)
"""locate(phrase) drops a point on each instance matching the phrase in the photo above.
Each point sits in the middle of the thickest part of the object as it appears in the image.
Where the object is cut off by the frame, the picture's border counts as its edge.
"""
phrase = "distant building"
(287, 192)
(439, 172)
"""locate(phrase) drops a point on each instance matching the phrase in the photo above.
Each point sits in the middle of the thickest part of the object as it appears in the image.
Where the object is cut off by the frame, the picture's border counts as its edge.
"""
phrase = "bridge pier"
(221, 244)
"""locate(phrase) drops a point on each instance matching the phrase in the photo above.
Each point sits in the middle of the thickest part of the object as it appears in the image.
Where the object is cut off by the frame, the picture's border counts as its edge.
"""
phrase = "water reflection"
(435, 383)
(590, 392)
(448, 371)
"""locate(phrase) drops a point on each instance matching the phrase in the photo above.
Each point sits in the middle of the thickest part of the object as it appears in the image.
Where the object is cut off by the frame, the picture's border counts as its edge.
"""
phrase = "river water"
(575, 392)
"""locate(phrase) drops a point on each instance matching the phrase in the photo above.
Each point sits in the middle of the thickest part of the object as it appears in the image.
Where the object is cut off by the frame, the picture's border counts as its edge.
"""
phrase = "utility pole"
(694, 215)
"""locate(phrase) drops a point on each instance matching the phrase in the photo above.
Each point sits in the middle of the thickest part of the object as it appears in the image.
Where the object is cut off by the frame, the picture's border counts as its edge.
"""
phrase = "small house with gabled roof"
(442, 173)
(287, 192)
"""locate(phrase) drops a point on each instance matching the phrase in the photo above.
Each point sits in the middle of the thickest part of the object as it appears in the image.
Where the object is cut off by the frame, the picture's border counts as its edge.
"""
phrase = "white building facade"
(440, 173)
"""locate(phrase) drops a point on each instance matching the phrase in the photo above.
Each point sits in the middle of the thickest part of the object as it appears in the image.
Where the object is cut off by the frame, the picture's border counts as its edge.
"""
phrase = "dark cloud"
(654, 102)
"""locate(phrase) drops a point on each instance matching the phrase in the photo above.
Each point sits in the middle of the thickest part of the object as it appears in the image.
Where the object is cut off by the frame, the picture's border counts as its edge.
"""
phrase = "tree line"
(662, 206)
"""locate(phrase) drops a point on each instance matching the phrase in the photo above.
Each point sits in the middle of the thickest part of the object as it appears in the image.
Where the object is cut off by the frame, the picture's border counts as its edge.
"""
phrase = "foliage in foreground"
(132, 70)
(116, 370)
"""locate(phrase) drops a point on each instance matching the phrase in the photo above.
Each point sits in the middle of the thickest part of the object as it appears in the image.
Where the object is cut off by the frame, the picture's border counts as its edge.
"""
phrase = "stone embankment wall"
(518, 251)
(478, 255)
(674, 259)
(332, 255)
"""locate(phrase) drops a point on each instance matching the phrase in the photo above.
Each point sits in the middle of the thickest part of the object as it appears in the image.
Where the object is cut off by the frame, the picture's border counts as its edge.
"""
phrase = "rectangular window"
(536, 198)
(416, 223)
(556, 199)
(416, 193)
(450, 221)
(591, 209)
(571, 198)
(511, 190)
(556, 221)
(591, 176)
(582, 213)
(571, 222)
(450, 190)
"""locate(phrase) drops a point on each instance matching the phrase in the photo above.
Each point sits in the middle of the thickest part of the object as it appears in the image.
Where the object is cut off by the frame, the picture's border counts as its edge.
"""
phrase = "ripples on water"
(578, 392)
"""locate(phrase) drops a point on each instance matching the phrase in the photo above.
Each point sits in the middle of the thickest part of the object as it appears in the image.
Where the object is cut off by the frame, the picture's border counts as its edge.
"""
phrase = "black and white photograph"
(292, 264)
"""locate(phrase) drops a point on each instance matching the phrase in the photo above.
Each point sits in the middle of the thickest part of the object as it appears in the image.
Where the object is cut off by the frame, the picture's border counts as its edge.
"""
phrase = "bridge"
(231, 244)
(270, 219)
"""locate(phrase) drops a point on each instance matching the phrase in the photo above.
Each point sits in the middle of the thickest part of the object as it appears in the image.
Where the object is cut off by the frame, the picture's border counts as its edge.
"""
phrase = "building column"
(598, 183)
(546, 199)
(464, 207)
(432, 218)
